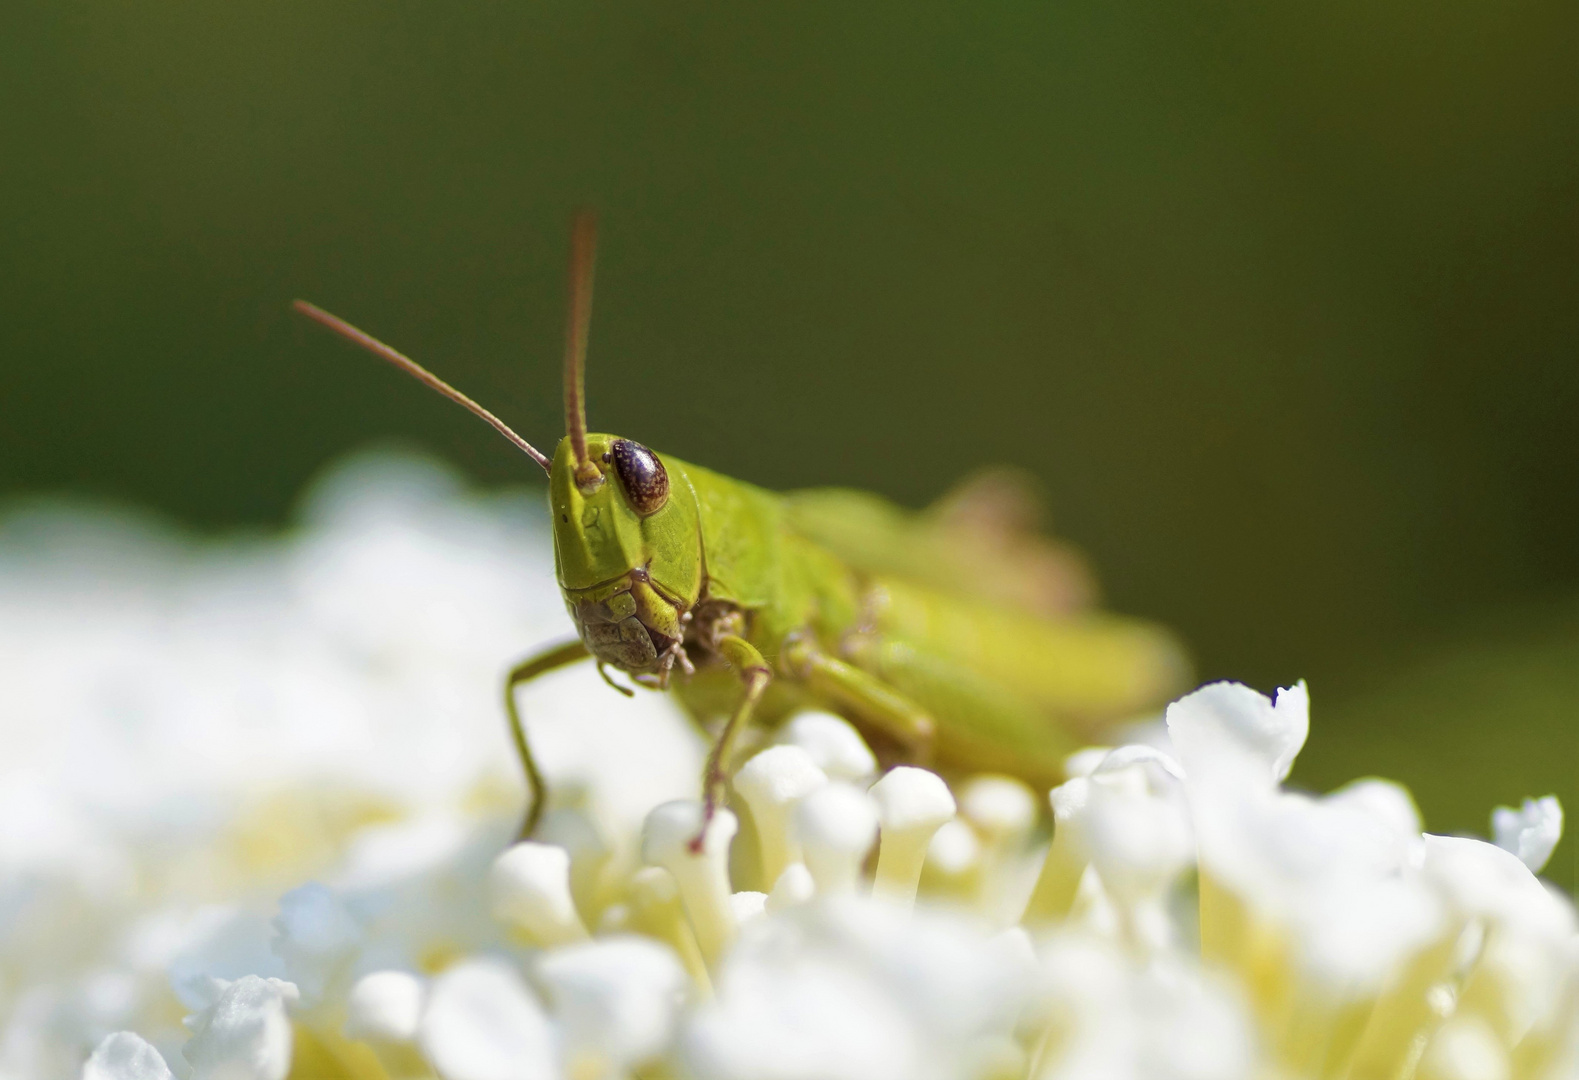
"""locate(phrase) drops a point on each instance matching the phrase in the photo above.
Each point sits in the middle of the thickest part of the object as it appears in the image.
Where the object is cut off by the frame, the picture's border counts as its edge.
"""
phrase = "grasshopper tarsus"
(603, 671)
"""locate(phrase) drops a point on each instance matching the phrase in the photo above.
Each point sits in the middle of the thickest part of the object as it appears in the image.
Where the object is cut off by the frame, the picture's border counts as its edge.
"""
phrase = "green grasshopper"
(945, 636)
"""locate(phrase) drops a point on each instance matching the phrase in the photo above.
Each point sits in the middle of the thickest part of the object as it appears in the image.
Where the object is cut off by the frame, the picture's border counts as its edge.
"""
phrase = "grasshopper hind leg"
(527, 670)
(984, 726)
(864, 696)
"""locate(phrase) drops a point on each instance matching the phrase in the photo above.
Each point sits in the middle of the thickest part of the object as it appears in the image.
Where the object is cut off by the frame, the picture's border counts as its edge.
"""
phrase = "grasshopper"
(952, 636)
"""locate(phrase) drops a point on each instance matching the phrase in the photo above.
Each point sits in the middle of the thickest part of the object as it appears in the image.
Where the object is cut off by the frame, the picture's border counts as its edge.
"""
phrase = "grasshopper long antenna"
(583, 255)
(418, 372)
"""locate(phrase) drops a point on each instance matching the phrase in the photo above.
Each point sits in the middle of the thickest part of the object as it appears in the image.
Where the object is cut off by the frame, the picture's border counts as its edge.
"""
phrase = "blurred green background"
(1280, 300)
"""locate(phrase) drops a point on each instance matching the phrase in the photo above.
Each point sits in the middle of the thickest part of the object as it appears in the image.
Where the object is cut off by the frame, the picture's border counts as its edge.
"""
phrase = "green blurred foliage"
(1278, 299)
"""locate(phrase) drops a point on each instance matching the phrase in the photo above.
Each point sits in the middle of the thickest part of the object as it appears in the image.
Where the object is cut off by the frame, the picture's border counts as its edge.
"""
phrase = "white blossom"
(837, 825)
(616, 1001)
(125, 1056)
(833, 744)
(912, 805)
(269, 782)
(245, 1034)
(482, 1022)
(529, 888)
(772, 784)
(385, 1006)
(1530, 832)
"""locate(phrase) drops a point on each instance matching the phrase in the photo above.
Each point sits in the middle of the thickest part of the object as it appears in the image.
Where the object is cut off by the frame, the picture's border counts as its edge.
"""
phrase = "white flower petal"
(1390, 806)
(245, 1034)
(1227, 725)
(384, 1006)
(836, 825)
(702, 876)
(125, 1056)
(794, 886)
(833, 743)
(1002, 808)
(912, 804)
(1484, 880)
(772, 784)
(1084, 762)
(616, 1000)
(1353, 937)
(1139, 839)
(482, 1023)
(529, 889)
(1531, 832)
(954, 849)
(749, 904)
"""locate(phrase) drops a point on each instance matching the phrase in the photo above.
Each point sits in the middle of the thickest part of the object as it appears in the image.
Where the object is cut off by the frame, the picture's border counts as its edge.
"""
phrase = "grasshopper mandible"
(910, 625)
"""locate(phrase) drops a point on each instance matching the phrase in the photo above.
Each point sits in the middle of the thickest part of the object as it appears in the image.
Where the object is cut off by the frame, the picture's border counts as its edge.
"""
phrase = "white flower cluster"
(1171, 911)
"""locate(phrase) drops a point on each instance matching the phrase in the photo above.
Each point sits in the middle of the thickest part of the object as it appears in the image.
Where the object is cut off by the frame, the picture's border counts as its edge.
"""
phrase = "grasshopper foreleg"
(755, 673)
(525, 671)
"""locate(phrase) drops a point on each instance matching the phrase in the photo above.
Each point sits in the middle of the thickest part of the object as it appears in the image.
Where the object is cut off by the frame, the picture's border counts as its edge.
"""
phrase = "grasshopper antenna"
(418, 372)
(583, 255)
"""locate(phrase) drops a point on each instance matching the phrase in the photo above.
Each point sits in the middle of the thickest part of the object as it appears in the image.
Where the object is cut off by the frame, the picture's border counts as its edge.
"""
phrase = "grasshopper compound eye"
(642, 475)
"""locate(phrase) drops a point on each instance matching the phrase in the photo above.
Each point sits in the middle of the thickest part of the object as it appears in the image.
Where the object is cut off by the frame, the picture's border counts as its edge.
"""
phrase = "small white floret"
(245, 1034)
(615, 1002)
(1531, 832)
(793, 888)
(772, 783)
(1001, 808)
(529, 889)
(385, 1006)
(1067, 857)
(657, 911)
(954, 850)
(836, 825)
(1138, 839)
(702, 876)
(125, 1056)
(483, 1023)
(1229, 726)
(912, 804)
(833, 743)
(748, 905)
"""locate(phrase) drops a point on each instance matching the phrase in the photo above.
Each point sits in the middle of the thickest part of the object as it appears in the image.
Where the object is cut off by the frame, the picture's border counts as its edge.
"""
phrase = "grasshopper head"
(627, 548)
